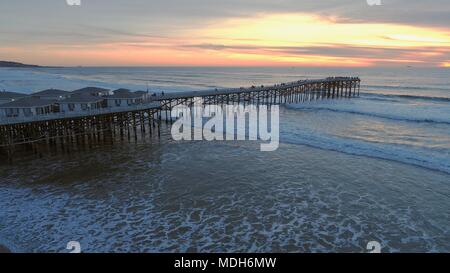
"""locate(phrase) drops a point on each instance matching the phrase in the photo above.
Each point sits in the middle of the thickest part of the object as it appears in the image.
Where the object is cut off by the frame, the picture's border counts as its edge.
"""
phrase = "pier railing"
(354, 81)
(293, 92)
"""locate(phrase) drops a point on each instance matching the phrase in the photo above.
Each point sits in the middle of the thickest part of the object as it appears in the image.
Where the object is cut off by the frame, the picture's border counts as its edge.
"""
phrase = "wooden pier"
(63, 130)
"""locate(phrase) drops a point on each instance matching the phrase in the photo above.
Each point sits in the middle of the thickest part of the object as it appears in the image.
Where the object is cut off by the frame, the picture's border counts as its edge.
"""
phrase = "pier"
(61, 129)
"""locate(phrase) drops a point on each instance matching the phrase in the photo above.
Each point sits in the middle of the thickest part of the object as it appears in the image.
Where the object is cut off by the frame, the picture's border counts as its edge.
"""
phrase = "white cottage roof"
(51, 92)
(90, 90)
(27, 102)
(123, 94)
(81, 98)
(11, 95)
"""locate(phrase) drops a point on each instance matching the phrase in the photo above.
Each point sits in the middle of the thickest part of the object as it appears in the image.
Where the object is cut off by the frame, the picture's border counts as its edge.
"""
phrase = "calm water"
(347, 172)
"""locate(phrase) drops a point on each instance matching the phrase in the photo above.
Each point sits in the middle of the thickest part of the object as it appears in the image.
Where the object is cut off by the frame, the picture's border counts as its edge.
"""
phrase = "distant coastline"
(16, 64)
(9, 64)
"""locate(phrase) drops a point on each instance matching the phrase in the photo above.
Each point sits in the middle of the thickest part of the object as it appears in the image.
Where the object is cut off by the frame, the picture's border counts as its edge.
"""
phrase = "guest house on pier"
(27, 107)
(80, 102)
(89, 99)
(124, 97)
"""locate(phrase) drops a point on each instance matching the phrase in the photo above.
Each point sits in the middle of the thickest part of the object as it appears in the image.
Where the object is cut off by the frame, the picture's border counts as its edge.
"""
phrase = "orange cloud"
(303, 30)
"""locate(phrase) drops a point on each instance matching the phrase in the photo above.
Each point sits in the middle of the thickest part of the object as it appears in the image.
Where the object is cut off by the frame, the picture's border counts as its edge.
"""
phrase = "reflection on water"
(167, 196)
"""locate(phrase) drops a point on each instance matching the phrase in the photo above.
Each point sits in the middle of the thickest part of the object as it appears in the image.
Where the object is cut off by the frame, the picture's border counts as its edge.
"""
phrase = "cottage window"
(27, 112)
(84, 106)
(118, 102)
(71, 106)
(12, 112)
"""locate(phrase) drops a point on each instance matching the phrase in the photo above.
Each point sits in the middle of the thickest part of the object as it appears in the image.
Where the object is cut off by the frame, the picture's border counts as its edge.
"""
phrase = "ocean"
(348, 171)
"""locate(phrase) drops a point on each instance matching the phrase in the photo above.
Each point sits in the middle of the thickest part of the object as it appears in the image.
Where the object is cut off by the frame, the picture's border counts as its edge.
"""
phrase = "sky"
(226, 33)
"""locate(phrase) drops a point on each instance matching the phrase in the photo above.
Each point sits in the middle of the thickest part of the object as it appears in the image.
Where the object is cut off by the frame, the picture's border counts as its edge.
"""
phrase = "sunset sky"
(226, 33)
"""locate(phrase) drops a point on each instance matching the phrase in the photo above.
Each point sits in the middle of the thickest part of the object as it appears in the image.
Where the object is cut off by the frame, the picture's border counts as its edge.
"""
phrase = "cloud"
(429, 55)
(178, 25)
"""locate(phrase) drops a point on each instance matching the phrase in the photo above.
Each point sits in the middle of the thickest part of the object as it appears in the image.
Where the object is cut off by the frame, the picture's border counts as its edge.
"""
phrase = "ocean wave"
(29, 81)
(378, 115)
(404, 87)
(400, 96)
(399, 153)
(433, 159)
(417, 115)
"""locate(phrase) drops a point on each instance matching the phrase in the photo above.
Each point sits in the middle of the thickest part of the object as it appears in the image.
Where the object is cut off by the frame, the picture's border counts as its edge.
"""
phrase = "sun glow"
(303, 29)
(267, 35)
